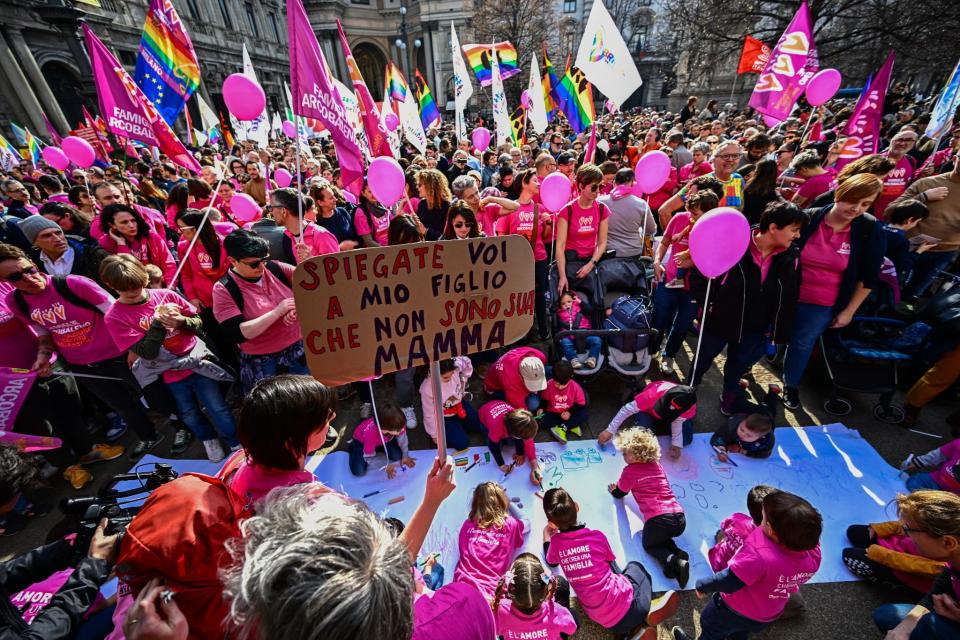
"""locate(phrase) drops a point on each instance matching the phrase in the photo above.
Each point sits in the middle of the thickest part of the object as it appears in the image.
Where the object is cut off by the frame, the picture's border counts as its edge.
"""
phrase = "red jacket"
(504, 375)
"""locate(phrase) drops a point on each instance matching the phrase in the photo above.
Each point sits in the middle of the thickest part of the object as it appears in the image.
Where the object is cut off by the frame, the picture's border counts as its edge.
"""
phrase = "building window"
(273, 26)
(227, 22)
(251, 19)
(641, 36)
(359, 1)
(128, 58)
(569, 6)
(193, 9)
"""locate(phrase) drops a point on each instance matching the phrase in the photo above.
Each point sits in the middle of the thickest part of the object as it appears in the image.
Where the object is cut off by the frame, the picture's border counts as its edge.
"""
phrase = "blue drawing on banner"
(593, 456)
(679, 491)
(547, 457)
(702, 501)
(552, 477)
(574, 460)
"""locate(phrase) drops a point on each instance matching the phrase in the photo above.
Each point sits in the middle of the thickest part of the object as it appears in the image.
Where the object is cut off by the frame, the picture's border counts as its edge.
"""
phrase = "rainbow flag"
(26, 139)
(396, 84)
(167, 70)
(550, 99)
(576, 99)
(429, 113)
(478, 57)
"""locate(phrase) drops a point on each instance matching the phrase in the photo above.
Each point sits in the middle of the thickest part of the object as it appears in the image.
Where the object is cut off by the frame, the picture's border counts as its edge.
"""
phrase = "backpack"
(234, 289)
(628, 313)
(62, 287)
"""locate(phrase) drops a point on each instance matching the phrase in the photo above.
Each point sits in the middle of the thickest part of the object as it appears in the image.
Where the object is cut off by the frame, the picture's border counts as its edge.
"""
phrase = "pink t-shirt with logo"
(486, 554)
(521, 222)
(771, 573)
(583, 227)
(455, 608)
(35, 598)
(80, 335)
(259, 298)
(650, 488)
(493, 415)
(380, 228)
(546, 623)
(129, 323)
(18, 344)
(585, 556)
(367, 434)
(560, 400)
(735, 529)
(944, 475)
(894, 185)
(822, 262)
(487, 218)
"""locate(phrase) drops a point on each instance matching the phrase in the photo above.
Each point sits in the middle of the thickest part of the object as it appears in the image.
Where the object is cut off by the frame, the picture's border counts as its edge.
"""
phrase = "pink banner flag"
(14, 386)
(591, 145)
(376, 134)
(862, 130)
(791, 65)
(55, 137)
(315, 96)
(127, 111)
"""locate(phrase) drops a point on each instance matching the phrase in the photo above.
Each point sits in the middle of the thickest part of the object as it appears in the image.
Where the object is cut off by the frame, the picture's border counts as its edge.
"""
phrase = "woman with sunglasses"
(461, 223)
(126, 231)
(582, 227)
(931, 520)
(80, 198)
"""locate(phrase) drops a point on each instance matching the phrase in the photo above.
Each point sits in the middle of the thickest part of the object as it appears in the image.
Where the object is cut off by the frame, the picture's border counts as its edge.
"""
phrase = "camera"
(86, 512)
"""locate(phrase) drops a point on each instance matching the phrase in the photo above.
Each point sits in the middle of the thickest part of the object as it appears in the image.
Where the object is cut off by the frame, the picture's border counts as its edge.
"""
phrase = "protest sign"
(14, 386)
(368, 312)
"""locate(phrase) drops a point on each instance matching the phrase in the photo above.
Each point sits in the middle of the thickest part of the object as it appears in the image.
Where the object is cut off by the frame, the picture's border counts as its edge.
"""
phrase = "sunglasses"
(17, 276)
(255, 264)
(460, 225)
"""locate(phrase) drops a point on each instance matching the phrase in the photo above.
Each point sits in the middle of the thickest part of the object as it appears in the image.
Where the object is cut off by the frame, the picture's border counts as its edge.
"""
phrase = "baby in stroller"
(570, 316)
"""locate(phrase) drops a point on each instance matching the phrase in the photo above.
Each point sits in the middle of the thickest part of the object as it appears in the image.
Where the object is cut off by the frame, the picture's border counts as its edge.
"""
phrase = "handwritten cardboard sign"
(373, 311)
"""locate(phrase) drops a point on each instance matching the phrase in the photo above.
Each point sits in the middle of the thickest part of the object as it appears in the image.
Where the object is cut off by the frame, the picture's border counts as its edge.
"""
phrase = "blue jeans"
(720, 622)
(919, 481)
(197, 391)
(810, 322)
(569, 346)
(358, 464)
(647, 421)
(532, 400)
(456, 427)
(578, 418)
(740, 356)
(673, 313)
(930, 627)
(926, 267)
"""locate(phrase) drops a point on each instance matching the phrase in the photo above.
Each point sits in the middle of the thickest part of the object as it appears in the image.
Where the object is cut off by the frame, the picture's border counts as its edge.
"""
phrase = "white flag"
(351, 107)
(200, 137)
(537, 113)
(942, 117)
(276, 125)
(410, 122)
(258, 129)
(501, 117)
(604, 58)
(239, 128)
(207, 117)
(461, 82)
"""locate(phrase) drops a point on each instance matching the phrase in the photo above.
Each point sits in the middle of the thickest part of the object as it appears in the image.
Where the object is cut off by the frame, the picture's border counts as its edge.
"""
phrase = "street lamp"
(401, 42)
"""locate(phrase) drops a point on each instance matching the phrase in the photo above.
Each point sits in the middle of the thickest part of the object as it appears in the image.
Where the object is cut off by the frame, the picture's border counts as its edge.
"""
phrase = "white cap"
(534, 377)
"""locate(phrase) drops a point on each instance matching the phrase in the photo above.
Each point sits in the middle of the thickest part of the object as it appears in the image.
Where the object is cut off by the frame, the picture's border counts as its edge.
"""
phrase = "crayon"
(395, 500)
(372, 493)
(471, 466)
(720, 450)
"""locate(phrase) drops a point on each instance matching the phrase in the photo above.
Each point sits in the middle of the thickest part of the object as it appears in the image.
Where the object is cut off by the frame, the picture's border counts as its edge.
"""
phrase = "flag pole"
(296, 147)
(733, 86)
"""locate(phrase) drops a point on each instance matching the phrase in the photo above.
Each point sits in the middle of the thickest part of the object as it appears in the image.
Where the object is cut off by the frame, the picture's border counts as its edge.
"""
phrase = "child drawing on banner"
(517, 427)
(775, 559)
(749, 429)
(663, 517)
(662, 406)
(489, 538)
(392, 435)
(427, 573)
(571, 318)
(530, 602)
(565, 403)
(459, 416)
(621, 601)
(735, 529)
(937, 469)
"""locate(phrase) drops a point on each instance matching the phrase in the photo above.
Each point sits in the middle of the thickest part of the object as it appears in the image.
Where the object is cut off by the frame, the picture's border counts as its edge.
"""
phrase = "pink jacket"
(151, 250)
(567, 317)
(197, 279)
(689, 171)
(451, 392)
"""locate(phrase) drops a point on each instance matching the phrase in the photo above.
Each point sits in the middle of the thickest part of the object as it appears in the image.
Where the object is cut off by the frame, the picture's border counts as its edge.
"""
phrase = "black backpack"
(234, 289)
(62, 287)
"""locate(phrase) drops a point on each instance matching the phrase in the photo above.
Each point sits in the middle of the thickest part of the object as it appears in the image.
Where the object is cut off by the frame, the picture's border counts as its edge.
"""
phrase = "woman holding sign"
(582, 227)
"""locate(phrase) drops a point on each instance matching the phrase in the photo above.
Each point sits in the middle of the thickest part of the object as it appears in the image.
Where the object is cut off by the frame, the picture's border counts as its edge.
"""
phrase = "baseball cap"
(533, 374)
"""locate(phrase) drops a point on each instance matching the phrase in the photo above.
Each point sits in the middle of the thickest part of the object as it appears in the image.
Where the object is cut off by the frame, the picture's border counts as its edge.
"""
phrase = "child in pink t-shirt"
(663, 517)
(565, 403)
(530, 602)
(937, 469)
(516, 426)
(392, 436)
(735, 529)
(488, 539)
(780, 555)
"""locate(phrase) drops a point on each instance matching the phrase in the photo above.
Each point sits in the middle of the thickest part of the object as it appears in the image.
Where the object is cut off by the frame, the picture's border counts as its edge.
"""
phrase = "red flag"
(753, 56)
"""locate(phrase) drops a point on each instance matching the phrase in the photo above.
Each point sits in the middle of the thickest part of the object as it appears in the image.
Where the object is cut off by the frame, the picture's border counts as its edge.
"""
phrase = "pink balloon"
(386, 180)
(652, 171)
(391, 121)
(480, 138)
(770, 122)
(244, 97)
(134, 181)
(823, 86)
(525, 99)
(718, 240)
(349, 197)
(244, 208)
(55, 157)
(555, 191)
(289, 129)
(282, 177)
(78, 151)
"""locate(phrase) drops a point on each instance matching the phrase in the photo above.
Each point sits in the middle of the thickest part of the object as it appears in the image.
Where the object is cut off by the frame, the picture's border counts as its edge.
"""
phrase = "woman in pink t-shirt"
(127, 232)
(582, 227)
(817, 180)
(372, 219)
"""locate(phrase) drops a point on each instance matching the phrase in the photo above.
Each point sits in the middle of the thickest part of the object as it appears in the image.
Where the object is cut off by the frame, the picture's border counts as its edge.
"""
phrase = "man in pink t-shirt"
(897, 181)
(312, 240)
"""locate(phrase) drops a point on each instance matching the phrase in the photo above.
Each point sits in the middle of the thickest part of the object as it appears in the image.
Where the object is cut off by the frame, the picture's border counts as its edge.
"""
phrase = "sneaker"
(791, 398)
(181, 440)
(560, 433)
(11, 524)
(666, 366)
(663, 607)
(679, 634)
(366, 410)
(577, 431)
(77, 476)
(727, 400)
(591, 363)
(101, 453)
(235, 448)
(411, 417)
(676, 283)
(116, 429)
(576, 364)
(144, 446)
(214, 450)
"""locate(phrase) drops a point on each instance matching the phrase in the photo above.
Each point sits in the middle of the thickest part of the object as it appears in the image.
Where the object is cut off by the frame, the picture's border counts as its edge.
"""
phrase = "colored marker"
(508, 471)
(906, 464)
(471, 466)
(395, 500)
(434, 555)
(720, 450)
(372, 493)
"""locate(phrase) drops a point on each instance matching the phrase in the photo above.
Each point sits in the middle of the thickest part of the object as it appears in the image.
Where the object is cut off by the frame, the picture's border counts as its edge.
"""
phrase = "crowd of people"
(143, 301)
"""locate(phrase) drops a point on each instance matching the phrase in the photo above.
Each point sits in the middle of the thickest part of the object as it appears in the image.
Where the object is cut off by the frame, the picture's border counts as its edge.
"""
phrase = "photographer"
(60, 618)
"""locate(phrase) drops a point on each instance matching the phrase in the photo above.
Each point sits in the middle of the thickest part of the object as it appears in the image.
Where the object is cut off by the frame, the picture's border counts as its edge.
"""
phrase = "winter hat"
(33, 225)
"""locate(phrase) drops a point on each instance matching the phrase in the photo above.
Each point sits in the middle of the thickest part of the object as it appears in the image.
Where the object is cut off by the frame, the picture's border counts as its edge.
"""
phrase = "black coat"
(87, 256)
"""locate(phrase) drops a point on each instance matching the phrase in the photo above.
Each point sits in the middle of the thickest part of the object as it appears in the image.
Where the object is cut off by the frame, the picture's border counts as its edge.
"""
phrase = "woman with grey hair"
(486, 209)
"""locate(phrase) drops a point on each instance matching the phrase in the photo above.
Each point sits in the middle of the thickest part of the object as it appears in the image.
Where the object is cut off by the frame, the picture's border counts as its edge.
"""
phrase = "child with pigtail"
(530, 602)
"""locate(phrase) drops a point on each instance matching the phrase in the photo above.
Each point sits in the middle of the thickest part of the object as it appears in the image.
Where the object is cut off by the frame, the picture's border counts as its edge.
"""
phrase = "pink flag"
(791, 65)
(376, 134)
(55, 137)
(315, 96)
(862, 130)
(127, 111)
(591, 145)
(14, 386)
